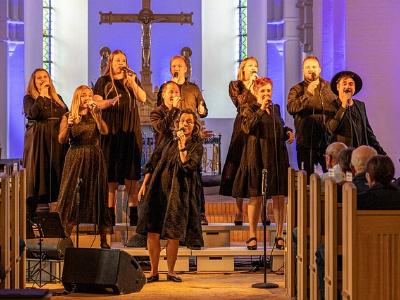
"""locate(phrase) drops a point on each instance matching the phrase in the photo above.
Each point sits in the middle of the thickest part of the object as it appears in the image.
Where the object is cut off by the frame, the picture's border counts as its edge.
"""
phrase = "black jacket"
(360, 181)
(335, 126)
(379, 197)
(310, 112)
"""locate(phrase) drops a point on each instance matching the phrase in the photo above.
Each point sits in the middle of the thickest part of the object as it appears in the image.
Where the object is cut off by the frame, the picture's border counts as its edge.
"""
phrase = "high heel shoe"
(253, 247)
(277, 245)
(238, 221)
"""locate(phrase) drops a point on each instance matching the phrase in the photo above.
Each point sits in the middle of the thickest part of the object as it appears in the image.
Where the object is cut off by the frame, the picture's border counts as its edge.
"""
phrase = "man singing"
(310, 102)
(350, 124)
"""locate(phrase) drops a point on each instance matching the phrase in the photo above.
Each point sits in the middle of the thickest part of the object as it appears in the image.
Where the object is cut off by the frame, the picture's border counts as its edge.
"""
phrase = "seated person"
(345, 162)
(359, 159)
(382, 194)
(332, 162)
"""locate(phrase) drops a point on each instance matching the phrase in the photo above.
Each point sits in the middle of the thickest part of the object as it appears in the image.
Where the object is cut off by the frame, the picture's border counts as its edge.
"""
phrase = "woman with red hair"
(264, 148)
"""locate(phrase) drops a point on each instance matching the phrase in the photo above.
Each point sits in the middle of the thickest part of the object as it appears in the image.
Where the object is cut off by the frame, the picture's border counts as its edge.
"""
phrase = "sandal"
(253, 247)
(279, 246)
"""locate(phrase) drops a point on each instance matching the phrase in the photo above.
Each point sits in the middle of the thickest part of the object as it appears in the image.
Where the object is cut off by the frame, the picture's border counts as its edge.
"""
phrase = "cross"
(146, 17)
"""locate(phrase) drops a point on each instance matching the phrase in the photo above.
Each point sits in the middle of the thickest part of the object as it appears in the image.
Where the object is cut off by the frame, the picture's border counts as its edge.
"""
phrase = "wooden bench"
(333, 238)
(371, 248)
(291, 224)
(13, 228)
(303, 232)
(317, 217)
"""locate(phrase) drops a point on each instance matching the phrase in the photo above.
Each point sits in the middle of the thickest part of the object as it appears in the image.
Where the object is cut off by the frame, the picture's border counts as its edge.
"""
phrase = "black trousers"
(308, 157)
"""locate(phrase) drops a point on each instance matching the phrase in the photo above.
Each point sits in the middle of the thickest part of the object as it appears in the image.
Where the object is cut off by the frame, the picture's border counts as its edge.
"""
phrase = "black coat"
(379, 197)
(162, 120)
(171, 204)
(338, 126)
(310, 112)
(360, 181)
(264, 148)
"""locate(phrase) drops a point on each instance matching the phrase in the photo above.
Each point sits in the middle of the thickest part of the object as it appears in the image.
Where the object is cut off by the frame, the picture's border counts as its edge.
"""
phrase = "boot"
(133, 215)
(112, 214)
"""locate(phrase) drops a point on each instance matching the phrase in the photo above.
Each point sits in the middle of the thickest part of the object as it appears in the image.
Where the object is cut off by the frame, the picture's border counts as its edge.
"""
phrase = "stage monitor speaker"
(101, 271)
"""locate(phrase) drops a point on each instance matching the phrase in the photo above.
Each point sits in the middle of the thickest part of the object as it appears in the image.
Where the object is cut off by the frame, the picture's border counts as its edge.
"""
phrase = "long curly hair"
(33, 91)
(76, 102)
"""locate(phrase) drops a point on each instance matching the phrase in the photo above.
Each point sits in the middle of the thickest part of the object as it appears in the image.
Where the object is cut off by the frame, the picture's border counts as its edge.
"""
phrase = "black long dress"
(264, 148)
(239, 95)
(43, 154)
(85, 160)
(171, 204)
(122, 147)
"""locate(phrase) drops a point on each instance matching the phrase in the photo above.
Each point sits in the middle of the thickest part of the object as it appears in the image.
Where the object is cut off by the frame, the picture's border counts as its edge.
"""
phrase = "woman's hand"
(181, 139)
(70, 121)
(142, 191)
(290, 137)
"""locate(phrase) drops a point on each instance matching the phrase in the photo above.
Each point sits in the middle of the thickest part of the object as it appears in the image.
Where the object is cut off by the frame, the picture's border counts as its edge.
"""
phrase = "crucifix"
(146, 17)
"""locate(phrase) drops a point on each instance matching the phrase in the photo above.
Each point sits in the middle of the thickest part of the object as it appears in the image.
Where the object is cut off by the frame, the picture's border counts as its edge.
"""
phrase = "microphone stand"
(78, 196)
(265, 284)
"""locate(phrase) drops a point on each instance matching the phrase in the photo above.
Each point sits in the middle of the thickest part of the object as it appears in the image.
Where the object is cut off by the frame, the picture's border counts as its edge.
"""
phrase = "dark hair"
(197, 130)
(164, 86)
(380, 169)
(344, 159)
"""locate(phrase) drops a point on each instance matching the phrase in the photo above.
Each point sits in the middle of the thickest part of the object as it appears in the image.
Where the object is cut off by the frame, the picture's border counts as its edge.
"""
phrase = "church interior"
(73, 41)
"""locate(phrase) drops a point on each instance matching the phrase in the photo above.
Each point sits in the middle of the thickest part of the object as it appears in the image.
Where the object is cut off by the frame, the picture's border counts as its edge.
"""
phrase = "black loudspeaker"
(101, 271)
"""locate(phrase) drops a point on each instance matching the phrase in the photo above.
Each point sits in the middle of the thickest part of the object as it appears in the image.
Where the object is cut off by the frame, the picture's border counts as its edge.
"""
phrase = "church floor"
(236, 285)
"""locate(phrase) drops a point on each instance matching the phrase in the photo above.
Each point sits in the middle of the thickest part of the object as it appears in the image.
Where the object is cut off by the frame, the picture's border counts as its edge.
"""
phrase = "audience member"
(359, 160)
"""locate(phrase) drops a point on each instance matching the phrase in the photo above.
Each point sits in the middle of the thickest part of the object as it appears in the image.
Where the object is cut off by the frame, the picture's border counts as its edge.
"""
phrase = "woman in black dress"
(170, 208)
(85, 169)
(264, 149)
(116, 93)
(241, 92)
(43, 155)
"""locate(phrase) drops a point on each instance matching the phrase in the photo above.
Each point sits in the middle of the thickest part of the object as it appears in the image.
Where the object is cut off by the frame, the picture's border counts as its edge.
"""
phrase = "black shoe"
(152, 278)
(203, 219)
(253, 247)
(133, 216)
(238, 221)
(174, 278)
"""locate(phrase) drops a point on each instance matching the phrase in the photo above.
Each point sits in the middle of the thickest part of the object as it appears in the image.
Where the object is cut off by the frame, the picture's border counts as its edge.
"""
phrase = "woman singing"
(85, 170)
(264, 149)
(122, 147)
(241, 92)
(170, 208)
(43, 155)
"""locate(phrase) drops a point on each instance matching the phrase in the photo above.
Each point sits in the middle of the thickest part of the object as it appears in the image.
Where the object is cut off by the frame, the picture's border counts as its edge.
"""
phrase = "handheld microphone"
(176, 134)
(128, 71)
(255, 75)
(313, 76)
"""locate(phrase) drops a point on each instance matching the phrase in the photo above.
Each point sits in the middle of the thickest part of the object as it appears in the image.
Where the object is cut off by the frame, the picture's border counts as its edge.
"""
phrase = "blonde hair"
(240, 75)
(111, 85)
(33, 91)
(76, 102)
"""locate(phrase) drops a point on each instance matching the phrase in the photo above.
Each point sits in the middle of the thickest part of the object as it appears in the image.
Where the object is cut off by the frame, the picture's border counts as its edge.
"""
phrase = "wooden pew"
(303, 223)
(5, 229)
(333, 238)
(291, 224)
(371, 248)
(317, 204)
(13, 228)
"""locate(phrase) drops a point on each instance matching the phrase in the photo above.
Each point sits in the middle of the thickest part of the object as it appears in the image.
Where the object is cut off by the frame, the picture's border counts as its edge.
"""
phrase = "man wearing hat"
(350, 124)
(310, 102)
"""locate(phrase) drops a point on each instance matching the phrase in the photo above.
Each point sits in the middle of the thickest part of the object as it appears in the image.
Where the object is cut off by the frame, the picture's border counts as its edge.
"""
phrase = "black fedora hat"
(338, 76)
